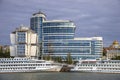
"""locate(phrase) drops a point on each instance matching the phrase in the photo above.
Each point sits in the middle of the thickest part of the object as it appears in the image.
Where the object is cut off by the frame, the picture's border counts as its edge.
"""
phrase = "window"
(58, 30)
(21, 37)
(21, 49)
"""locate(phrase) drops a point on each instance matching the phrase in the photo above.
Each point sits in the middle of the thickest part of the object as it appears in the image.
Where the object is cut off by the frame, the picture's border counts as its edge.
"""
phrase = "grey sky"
(91, 17)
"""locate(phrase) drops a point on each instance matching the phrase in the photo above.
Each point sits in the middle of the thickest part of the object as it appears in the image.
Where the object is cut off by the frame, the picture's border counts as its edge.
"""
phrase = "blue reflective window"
(58, 30)
(36, 19)
(36, 25)
(66, 51)
(40, 29)
(21, 49)
(68, 44)
(58, 24)
(57, 37)
(21, 37)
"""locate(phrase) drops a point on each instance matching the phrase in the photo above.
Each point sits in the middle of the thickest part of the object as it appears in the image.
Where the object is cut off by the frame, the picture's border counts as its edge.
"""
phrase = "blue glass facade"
(58, 40)
(21, 37)
(57, 30)
(21, 50)
(79, 49)
(21, 40)
(36, 25)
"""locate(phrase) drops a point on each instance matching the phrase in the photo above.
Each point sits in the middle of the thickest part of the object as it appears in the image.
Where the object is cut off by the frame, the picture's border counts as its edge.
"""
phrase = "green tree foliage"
(104, 52)
(57, 59)
(46, 57)
(4, 54)
(69, 59)
(54, 58)
(116, 58)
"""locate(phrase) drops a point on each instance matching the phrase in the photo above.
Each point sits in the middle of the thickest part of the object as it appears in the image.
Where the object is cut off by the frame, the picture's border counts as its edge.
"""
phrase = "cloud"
(91, 17)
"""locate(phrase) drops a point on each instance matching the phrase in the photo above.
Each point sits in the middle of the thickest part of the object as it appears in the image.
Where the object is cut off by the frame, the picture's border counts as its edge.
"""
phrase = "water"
(59, 76)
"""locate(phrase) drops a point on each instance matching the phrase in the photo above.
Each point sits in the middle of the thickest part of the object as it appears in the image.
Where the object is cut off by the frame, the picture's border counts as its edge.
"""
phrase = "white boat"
(102, 66)
(28, 65)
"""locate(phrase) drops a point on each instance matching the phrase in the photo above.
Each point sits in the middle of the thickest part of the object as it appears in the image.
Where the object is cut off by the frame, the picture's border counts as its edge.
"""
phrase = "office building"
(57, 38)
(24, 43)
(113, 50)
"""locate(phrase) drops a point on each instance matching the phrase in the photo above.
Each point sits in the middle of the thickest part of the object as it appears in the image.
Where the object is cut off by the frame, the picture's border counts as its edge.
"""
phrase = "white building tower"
(24, 43)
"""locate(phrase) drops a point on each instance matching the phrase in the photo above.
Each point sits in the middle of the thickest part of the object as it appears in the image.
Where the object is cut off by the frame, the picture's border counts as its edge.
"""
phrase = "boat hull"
(92, 71)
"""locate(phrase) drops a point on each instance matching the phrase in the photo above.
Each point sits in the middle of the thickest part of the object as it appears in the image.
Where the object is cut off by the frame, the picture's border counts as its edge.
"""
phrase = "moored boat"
(28, 65)
(102, 66)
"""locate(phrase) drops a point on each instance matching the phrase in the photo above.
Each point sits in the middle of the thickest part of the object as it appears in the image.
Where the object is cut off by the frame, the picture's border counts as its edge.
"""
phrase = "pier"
(66, 68)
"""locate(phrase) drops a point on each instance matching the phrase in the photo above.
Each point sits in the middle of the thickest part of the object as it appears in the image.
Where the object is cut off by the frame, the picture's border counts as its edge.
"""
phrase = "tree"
(116, 58)
(104, 52)
(59, 59)
(69, 59)
(46, 57)
(4, 54)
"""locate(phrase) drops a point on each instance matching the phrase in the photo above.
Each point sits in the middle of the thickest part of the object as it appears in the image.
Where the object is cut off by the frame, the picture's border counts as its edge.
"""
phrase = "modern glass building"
(36, 24)
(79, 48)
(58, 39)
(58, 29)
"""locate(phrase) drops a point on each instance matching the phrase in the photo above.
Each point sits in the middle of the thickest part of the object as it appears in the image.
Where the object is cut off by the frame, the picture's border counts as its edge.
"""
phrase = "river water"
(59, 76)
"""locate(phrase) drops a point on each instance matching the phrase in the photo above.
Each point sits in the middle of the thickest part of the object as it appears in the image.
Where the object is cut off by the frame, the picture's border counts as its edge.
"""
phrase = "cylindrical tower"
(36, 23)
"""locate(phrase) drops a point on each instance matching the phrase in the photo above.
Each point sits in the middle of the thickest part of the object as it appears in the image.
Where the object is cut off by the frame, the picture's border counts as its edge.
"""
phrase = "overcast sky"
(91, 17)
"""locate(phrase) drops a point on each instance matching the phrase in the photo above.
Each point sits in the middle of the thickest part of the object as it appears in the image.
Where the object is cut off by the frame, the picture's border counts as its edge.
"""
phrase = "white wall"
(34, 38)
(12, 38)
(33, 51)
(12, 51)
